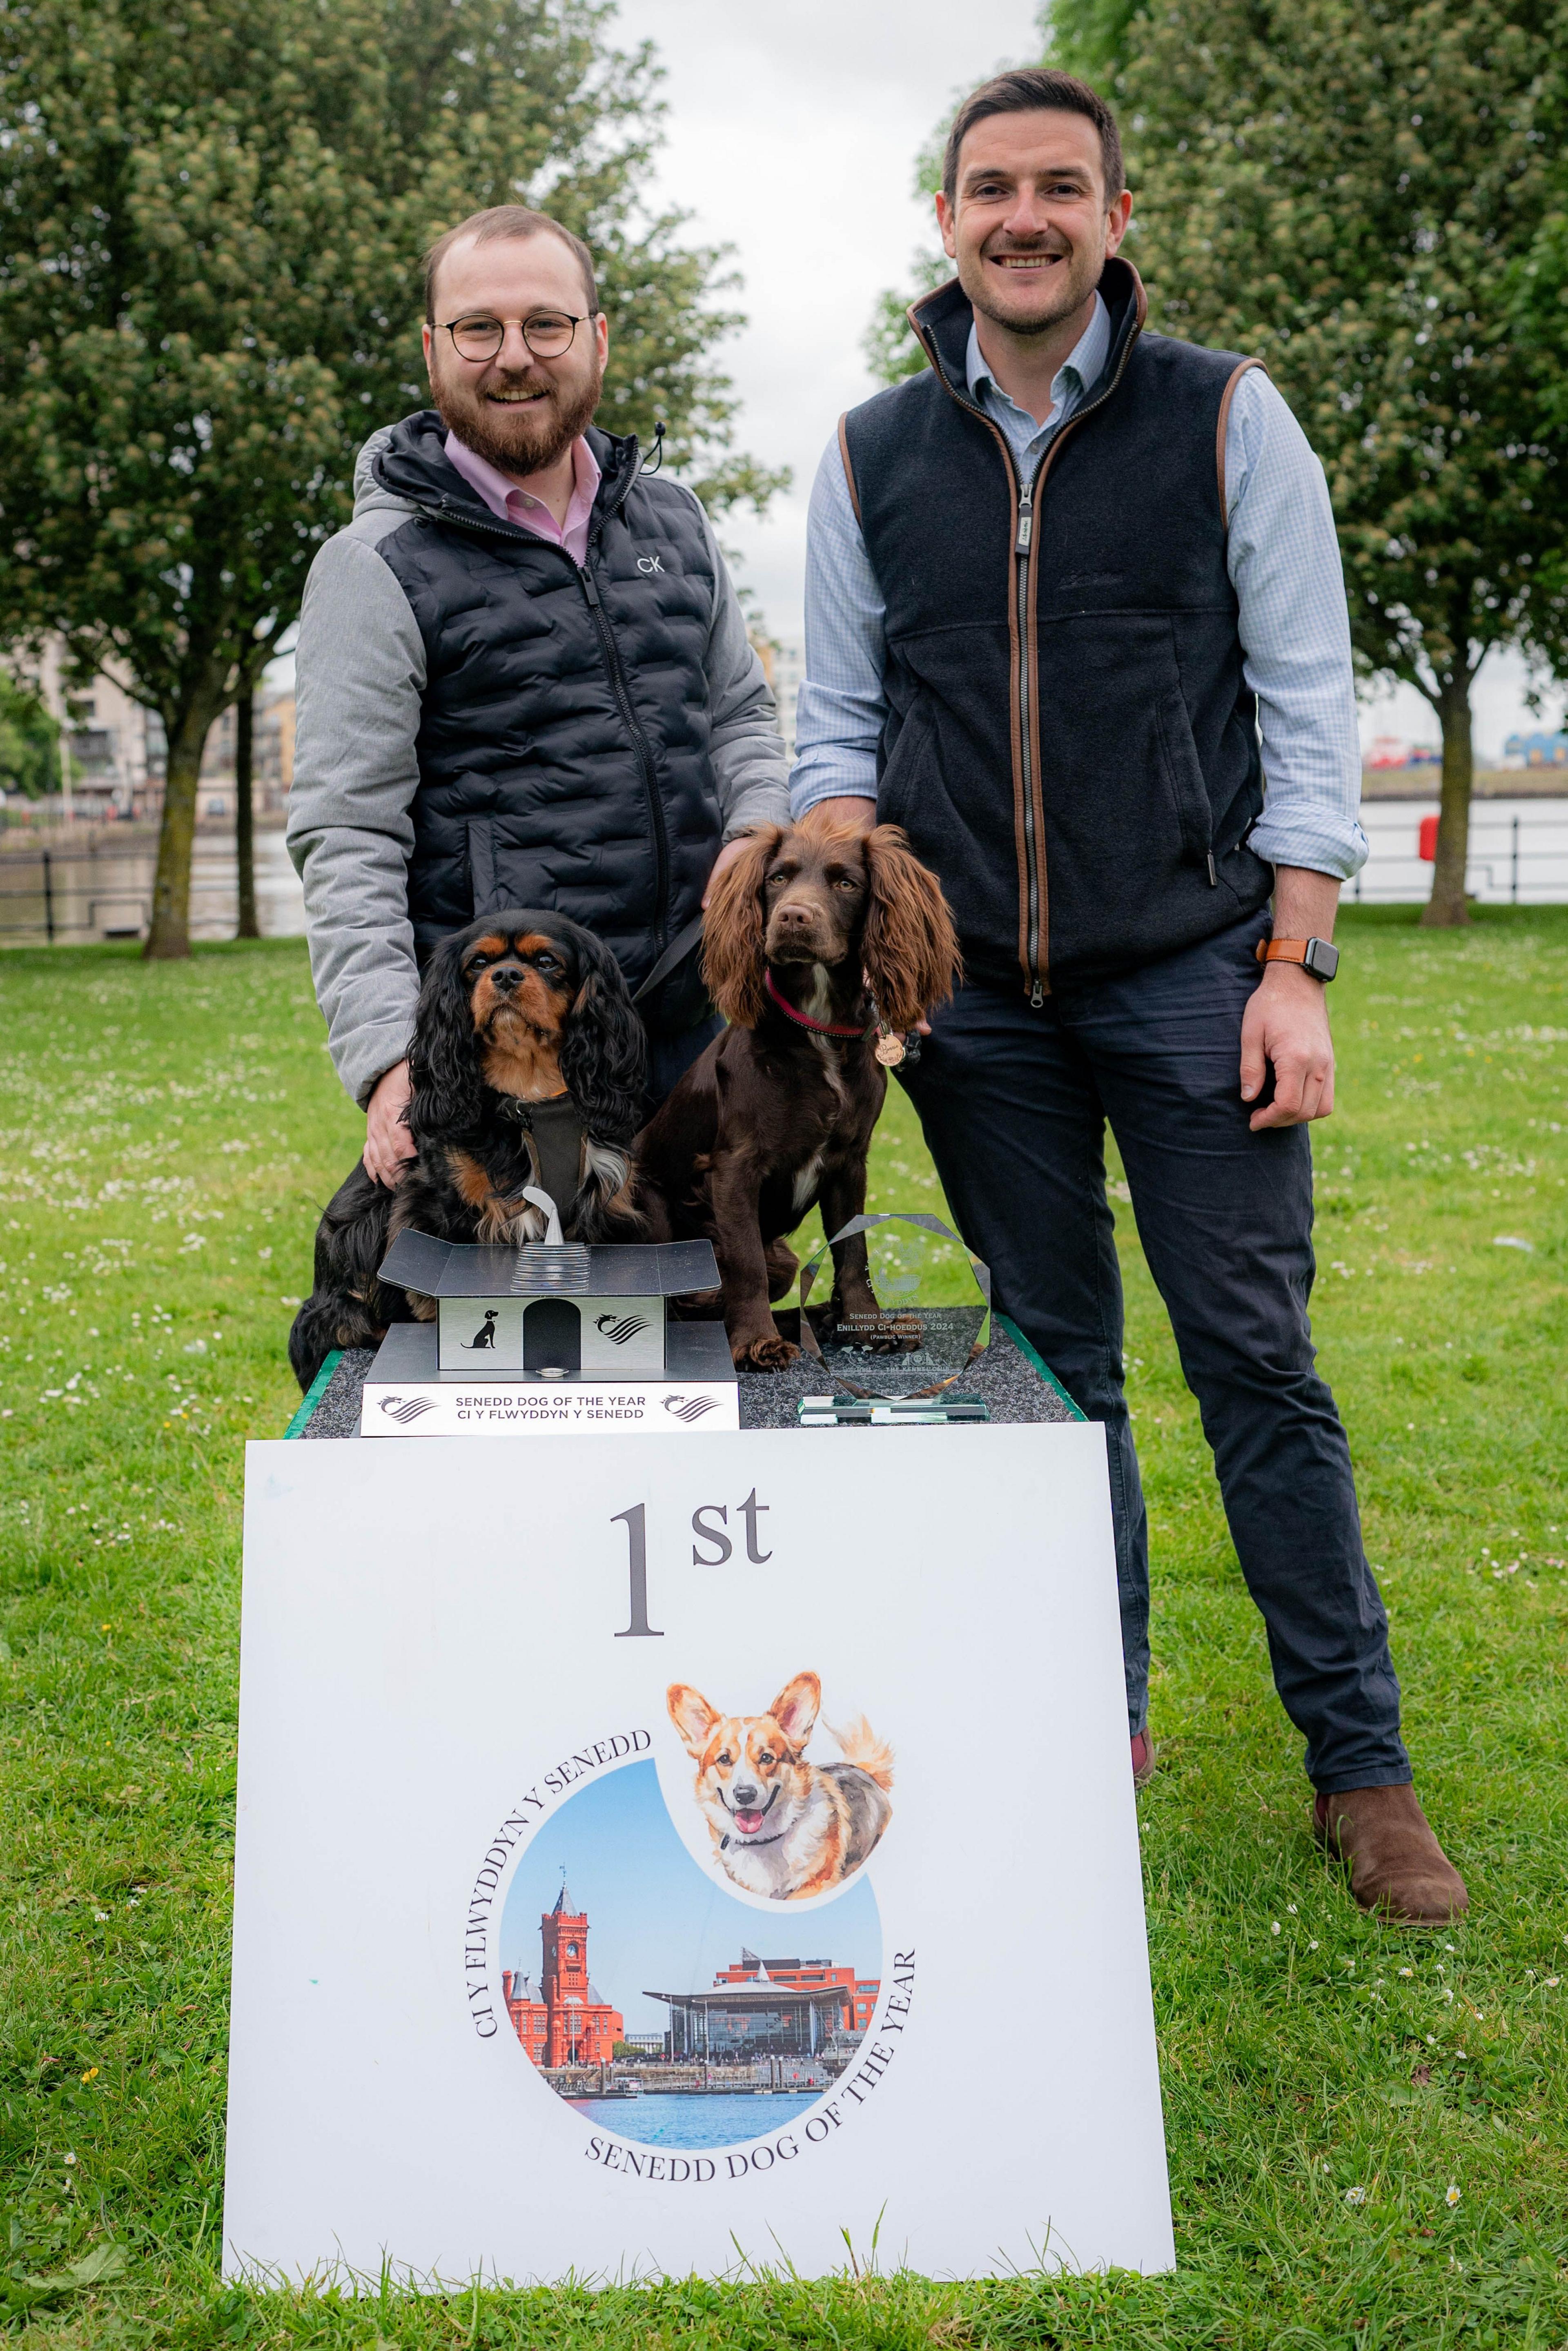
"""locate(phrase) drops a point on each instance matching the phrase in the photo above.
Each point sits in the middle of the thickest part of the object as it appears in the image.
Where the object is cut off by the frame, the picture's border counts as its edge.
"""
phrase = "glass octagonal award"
(896, 1308)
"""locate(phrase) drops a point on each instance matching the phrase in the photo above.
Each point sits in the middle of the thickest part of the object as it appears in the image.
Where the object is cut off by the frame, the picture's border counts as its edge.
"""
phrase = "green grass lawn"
(1366, 2126)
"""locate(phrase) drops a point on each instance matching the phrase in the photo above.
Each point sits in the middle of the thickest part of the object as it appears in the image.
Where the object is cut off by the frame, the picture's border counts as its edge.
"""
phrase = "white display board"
(535, 1763)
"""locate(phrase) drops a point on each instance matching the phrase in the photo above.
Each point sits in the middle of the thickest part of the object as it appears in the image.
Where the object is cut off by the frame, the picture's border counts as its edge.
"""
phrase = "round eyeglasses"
(548, 333)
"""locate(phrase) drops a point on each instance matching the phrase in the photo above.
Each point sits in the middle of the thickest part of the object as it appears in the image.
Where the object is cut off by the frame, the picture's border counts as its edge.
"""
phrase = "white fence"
(1518, 853)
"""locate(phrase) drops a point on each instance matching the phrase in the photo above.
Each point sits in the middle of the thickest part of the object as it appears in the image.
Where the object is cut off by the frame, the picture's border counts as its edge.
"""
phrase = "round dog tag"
(889, 1049)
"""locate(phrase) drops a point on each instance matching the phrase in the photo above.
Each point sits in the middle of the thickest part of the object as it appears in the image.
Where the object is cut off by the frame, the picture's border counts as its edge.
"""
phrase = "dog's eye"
(774, 880)
(767, 1756)
(726, 1760)
(546, 963)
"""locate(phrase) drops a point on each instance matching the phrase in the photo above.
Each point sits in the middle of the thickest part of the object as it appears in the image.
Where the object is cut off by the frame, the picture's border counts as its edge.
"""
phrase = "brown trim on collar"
(1220, 430)
(848, 469)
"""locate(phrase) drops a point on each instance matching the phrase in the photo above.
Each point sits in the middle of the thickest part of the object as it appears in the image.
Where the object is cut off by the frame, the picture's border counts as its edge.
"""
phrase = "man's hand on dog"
(388, 1145)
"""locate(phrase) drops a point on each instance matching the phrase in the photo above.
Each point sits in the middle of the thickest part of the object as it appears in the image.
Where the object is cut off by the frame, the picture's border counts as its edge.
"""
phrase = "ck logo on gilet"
(648, 564)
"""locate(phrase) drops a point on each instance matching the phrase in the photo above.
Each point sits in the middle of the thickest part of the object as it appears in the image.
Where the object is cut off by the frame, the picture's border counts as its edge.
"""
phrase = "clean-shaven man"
(523, 677)
(1056, 584)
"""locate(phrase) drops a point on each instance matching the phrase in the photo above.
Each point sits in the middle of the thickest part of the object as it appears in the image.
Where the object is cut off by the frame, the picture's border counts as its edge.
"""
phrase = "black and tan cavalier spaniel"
(527, 1069)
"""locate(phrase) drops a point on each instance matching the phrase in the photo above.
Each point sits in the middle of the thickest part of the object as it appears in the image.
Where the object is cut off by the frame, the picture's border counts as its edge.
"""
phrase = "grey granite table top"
(1004, 1376)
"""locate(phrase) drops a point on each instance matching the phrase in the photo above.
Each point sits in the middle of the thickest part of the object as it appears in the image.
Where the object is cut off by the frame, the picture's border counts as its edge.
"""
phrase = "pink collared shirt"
(509, 504)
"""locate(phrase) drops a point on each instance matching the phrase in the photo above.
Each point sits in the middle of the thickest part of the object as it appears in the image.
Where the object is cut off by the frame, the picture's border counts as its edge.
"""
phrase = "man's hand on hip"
(388, 1145)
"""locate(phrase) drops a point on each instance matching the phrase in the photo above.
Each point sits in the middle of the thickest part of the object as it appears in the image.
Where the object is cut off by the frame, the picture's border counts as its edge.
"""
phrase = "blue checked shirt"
(1284, 565)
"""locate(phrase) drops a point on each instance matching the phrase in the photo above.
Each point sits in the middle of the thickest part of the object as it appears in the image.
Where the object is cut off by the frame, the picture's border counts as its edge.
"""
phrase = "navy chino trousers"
(1014, 1104)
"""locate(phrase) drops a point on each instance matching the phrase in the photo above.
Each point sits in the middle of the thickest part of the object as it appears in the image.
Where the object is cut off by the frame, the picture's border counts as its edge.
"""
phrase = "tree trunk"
(244, 816)
(1447, 906)
(170, 932)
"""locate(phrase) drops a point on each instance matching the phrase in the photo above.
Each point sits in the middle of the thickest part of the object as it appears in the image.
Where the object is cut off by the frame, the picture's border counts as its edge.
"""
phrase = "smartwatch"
(1316, 956)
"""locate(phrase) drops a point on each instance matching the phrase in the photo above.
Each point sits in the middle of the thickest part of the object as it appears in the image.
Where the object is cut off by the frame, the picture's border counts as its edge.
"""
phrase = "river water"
(696, 2118)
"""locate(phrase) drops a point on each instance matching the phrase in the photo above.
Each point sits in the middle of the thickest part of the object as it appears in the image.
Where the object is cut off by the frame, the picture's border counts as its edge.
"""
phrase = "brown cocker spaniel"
(820, 941)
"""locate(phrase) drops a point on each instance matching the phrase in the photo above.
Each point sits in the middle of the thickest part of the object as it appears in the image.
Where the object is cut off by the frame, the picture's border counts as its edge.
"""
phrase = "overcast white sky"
(792, 131)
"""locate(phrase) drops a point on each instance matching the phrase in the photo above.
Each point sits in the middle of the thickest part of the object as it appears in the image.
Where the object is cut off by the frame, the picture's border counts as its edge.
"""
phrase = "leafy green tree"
(210, 294)
(889, 344)
(1367, 197)
(1088, 38)
(30, 742)
(1347, 187)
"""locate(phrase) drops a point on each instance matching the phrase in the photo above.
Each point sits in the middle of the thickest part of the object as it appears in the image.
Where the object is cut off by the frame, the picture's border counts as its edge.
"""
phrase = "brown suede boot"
(1397, 1868)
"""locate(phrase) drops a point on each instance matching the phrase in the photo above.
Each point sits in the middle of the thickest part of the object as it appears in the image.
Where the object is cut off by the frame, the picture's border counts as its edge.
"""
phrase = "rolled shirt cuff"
(1315, 839)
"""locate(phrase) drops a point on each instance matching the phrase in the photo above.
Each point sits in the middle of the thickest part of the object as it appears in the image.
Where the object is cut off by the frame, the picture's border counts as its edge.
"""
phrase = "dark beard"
(1038, 322)
(521, 441)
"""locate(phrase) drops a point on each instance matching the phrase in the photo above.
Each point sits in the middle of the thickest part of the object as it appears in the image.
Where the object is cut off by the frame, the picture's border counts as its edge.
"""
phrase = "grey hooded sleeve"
(359, 674)
(358, 670)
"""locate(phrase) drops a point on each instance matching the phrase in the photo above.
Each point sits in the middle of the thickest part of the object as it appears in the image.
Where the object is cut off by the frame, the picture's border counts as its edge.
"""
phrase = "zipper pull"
(1026, 521)
(1213, 876)
(589, 590)
(1036, 996)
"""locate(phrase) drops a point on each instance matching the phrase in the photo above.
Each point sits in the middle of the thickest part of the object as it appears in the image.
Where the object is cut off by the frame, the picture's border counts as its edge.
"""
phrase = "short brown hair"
(489, 228)
(1023, 92)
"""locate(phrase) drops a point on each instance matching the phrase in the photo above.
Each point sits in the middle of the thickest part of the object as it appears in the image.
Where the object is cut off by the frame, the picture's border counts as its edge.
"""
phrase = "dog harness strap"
(680, 946)
(804, 1021)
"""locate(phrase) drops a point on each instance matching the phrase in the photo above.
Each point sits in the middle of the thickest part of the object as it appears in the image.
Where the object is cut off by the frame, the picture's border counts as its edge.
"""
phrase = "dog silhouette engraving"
(486, 1334)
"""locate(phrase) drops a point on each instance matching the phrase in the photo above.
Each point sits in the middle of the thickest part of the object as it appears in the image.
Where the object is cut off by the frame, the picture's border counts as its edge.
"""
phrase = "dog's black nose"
(505, 978)
(743, 1798)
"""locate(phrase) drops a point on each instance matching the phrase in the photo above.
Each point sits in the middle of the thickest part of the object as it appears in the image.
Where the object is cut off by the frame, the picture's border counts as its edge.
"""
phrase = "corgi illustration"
(780, 1825)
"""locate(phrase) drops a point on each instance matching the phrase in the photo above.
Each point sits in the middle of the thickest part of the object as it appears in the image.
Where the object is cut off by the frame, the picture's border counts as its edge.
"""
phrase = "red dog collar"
(804, 1021)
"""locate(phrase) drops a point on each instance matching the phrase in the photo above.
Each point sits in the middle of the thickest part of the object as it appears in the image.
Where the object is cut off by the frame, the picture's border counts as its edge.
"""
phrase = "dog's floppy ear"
(909, 947)
(795, 1708)
(603, 1048)
(691, 1716)
(443, 1060)
(732, 932)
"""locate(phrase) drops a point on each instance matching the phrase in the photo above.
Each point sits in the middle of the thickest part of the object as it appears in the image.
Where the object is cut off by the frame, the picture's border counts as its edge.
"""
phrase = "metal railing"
(1518, 859)
(103, 889)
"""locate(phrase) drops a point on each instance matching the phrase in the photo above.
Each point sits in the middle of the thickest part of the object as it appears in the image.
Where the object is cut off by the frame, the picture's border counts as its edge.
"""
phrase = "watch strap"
(1317, 956)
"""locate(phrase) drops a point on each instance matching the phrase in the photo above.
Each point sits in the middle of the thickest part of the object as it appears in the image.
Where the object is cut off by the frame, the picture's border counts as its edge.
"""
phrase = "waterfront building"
(860, 1991)
(770, 2008)
(559, 2016)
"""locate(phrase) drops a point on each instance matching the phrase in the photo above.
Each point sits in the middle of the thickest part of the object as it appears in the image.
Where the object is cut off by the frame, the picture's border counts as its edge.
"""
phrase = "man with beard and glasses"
(1058, 584)
(523, 678)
